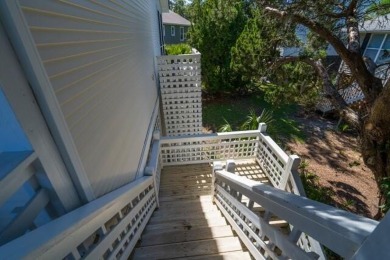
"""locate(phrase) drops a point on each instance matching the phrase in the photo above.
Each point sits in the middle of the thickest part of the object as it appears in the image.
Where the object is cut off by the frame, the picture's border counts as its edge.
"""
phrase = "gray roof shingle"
(174, 18)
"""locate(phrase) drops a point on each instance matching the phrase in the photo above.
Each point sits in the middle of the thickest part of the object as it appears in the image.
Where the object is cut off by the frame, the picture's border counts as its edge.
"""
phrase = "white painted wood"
(137, 229)
(376, 245)
(180, 83)
(292, 164)
(266, 229)
(109, 239)
(25, 218)
(23, 42)
(148, 139)
(98, 60)
(60, 237)
(341, 231)
(16, 178)
(19, 94)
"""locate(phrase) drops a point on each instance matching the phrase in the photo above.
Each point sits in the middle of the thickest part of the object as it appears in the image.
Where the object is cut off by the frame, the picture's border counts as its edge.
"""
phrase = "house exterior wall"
(170, 39)
(99, 59)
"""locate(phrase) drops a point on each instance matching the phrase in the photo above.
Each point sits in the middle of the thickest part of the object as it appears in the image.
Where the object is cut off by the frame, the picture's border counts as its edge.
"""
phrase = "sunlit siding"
(100, 59)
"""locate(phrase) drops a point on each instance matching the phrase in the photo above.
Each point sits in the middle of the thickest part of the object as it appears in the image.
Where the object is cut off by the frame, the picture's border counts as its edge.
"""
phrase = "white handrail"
(341, 231)
(108, 227)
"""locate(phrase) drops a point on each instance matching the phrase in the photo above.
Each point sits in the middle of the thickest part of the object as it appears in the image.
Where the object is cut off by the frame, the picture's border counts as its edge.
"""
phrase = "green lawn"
(236, 110)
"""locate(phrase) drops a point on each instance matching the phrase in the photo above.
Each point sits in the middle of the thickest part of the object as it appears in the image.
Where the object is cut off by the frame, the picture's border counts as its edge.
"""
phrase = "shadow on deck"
(187, 224)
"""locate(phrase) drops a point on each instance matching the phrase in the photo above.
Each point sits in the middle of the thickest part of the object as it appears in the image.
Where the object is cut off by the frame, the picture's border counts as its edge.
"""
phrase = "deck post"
(217, 166)
(262, 127)
(292, 165)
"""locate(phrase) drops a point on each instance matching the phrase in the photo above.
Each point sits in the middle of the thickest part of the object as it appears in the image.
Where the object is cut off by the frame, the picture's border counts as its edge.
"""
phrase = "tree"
(215, 29)
(180, 7)
(328, 19)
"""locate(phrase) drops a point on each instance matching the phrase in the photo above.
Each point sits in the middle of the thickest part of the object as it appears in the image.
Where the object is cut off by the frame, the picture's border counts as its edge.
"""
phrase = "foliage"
(253, 121)
(227, 127)
(337, 23)
(255, 47)
(378, 8)
(180, 7)
(177, 49)
(216, 113)
(293, 83)
(216, 27)
(385, 189)
(312, 186)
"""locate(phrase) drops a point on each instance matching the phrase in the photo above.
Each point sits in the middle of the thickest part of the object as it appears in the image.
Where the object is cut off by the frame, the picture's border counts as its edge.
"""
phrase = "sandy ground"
(334, 156)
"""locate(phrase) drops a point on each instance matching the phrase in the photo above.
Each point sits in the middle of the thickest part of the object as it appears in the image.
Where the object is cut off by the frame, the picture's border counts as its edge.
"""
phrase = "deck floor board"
(188, 225)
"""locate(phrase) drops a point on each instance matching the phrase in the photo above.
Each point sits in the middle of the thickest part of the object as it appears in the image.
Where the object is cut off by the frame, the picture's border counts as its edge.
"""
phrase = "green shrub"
(312, 187)
(385, 189)
(177, 49)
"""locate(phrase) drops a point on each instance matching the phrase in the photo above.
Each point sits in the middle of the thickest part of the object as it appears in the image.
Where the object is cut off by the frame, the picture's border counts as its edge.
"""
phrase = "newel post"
(291, 167)
(262, 129)
(217, 166)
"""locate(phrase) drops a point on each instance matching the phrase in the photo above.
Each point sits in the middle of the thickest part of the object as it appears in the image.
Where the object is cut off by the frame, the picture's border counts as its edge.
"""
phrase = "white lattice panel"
(181, 96)
(353, 93)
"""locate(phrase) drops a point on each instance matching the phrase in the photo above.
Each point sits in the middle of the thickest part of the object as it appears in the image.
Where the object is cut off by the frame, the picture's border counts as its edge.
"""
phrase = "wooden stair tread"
(187, 224)
(185, 212)
(182, 197)
(235, 255)
(192, 248)
(185, 217)
(158, 237)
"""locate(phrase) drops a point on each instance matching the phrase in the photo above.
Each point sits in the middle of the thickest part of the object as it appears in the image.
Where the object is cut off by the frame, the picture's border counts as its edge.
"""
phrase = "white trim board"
(24, 46)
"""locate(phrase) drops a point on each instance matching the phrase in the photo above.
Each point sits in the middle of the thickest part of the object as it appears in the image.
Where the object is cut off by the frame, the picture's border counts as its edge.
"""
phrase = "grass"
(235, 111)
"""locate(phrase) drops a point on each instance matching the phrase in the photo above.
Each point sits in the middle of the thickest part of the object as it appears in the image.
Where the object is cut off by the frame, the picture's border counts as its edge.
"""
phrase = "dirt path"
(335, 158)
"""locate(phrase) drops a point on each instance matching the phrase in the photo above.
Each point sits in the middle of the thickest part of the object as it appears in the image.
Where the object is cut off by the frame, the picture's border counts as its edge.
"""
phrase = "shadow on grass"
(236, 110)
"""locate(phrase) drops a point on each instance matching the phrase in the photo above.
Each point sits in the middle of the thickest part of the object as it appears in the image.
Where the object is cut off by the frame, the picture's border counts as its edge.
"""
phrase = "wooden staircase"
(187, 224)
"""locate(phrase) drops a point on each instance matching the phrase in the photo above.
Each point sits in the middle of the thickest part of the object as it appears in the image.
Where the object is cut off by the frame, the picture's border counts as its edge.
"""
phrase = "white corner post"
(217, 166)
(262, 127)
(230, 166)
(291, 167)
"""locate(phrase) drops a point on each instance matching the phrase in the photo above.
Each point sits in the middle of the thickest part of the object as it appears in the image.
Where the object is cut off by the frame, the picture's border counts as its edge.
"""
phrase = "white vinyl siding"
(173, 30)
(99, 57)
(182, 35)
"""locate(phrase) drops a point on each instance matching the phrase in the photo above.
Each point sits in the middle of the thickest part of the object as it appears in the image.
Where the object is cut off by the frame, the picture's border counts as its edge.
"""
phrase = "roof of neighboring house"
(380, 24)
(174, 18)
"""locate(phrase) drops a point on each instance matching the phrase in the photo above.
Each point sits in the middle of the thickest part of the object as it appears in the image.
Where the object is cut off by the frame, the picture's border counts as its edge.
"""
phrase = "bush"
(177, 49)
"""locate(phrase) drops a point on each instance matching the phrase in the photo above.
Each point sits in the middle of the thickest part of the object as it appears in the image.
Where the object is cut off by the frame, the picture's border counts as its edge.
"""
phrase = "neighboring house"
(375, 43)
(374, 39)
(175, 28)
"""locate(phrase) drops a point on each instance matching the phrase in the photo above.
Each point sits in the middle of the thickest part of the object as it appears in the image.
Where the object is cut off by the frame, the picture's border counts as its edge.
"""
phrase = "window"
(182, 35)
(378, 48)
(173, 31)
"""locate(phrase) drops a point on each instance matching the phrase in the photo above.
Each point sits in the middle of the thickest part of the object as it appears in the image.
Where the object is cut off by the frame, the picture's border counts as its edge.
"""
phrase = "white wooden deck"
(187, 224)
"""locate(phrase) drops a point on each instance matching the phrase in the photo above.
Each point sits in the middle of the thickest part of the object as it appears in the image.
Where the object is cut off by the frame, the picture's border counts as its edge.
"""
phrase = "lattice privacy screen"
(181, 96)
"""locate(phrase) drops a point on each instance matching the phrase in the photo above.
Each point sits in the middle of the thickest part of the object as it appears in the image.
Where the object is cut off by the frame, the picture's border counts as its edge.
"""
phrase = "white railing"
(108, 228)
(280, 168)
(207, 148)
(26, 171)
(340, 231)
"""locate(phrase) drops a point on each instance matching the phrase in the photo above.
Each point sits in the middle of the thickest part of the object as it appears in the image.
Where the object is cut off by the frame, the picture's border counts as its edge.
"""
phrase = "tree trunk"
(375, 140)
